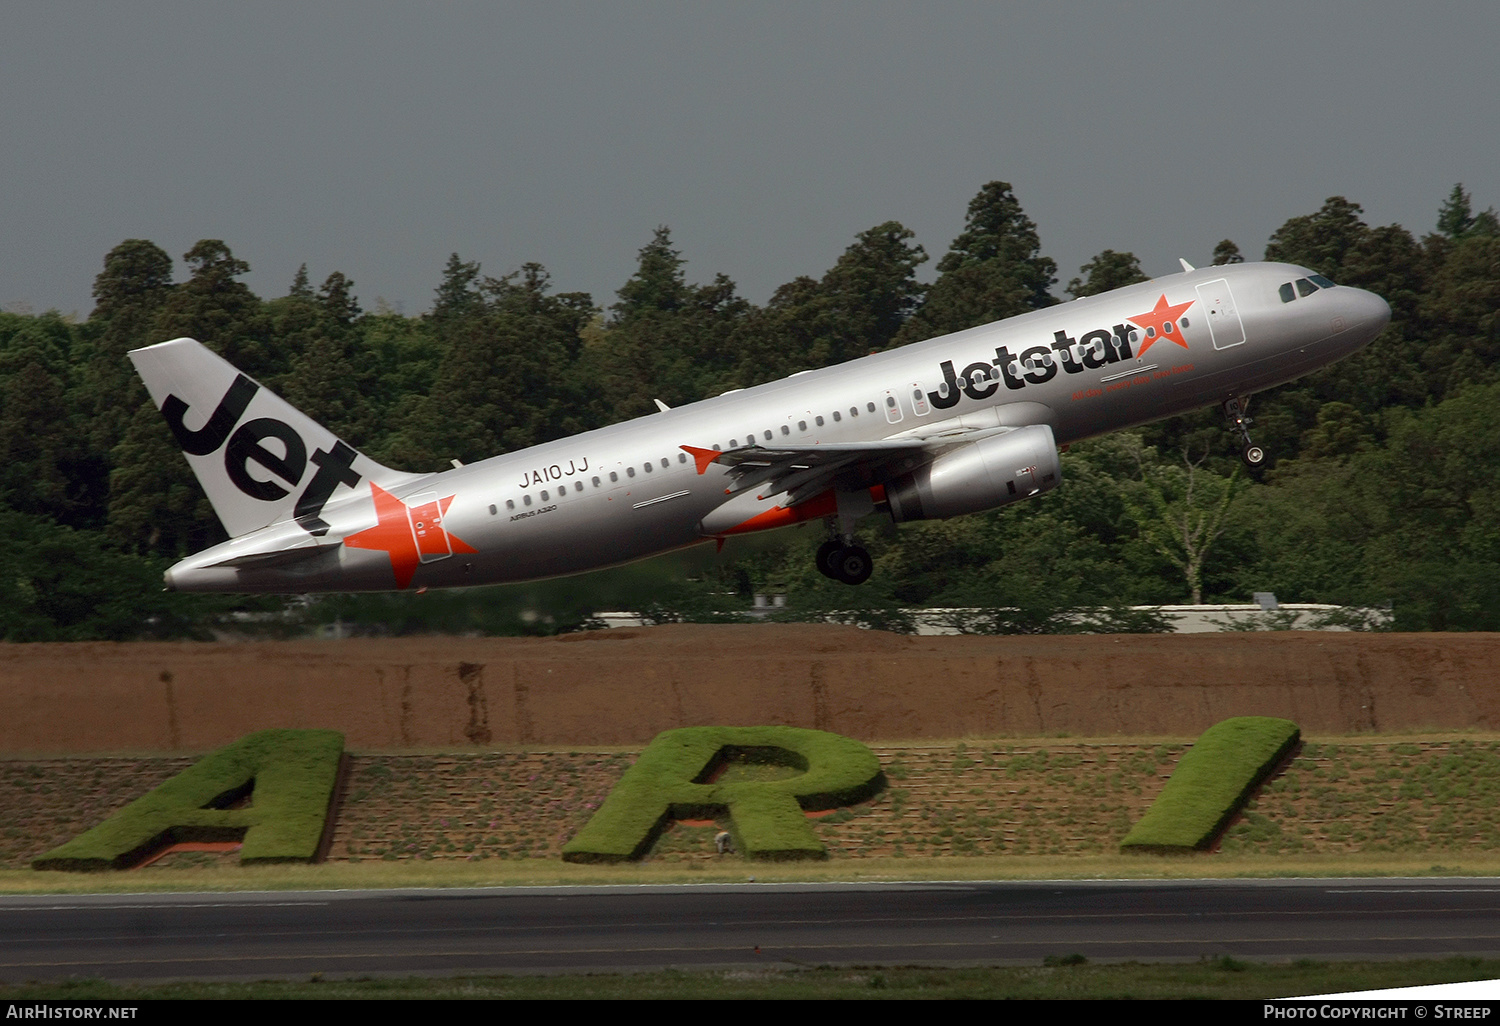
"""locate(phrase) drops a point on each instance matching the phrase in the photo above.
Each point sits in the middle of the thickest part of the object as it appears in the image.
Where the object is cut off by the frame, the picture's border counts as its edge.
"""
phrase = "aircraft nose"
(1367, 312)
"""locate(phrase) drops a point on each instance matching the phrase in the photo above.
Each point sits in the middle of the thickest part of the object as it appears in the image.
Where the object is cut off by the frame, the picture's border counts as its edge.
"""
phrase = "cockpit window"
(1287, 295)
(1318, 279)
(1305, 287)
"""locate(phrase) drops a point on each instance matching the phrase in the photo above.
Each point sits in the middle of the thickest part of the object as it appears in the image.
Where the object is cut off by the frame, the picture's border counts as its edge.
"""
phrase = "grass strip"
(1217, 977)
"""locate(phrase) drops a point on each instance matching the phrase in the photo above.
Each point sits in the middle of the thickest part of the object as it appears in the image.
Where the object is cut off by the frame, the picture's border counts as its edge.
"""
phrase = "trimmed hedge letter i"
(287, 775)
(671, 780)
(1212, 782)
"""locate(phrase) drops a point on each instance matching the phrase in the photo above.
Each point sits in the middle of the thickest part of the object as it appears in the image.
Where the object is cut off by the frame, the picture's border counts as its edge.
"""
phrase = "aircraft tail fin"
(260, 460)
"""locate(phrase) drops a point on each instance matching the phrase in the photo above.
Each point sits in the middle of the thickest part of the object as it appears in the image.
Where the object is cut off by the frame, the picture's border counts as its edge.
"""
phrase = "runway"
(604, 929)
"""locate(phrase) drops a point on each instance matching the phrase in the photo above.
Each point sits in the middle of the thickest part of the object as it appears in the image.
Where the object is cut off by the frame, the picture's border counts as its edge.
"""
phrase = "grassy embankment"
(960, 810)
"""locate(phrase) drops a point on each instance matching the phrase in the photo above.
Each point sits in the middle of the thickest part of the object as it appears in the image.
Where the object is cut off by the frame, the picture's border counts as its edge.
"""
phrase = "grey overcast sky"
(377, 138)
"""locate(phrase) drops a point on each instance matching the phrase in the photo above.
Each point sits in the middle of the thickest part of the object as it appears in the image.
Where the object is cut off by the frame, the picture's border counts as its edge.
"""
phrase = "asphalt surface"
(600, 929)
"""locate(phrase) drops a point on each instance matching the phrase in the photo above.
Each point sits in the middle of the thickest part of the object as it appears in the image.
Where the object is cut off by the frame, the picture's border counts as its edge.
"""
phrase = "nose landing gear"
(1236, 411)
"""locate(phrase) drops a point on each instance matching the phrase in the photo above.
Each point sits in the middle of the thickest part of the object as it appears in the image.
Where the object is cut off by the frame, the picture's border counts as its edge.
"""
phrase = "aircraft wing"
(804, 471)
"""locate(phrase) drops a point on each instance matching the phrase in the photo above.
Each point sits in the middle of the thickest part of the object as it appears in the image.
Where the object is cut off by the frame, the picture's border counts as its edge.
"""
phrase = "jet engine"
(991, 472)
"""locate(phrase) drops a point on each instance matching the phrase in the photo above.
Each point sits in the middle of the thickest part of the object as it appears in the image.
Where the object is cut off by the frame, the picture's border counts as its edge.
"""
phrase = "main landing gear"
(849, 563)
(1236, 412)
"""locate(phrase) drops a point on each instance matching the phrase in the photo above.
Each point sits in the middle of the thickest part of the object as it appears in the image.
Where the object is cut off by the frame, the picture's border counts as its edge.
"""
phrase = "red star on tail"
(394, 532)
(1155, 324)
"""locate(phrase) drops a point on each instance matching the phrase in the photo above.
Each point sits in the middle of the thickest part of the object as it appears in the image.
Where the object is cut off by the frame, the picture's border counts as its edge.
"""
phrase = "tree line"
(1385, 488)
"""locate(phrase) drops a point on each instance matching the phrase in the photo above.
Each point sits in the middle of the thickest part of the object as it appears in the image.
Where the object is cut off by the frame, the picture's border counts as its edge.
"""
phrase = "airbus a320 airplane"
(957, 424)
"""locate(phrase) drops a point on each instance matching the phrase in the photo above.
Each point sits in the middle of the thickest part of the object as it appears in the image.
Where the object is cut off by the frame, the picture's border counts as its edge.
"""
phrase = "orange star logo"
(1161, 323)
(413, 535)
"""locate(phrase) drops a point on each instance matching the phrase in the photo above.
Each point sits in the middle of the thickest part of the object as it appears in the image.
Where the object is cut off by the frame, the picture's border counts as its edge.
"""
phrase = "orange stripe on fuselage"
(824, 504)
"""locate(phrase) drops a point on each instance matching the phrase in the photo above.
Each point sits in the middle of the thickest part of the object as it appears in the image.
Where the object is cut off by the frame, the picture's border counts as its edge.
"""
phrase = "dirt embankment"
(621, 687)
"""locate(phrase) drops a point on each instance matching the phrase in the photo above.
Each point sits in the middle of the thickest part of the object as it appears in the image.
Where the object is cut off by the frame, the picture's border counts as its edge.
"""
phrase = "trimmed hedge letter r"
(672, 780)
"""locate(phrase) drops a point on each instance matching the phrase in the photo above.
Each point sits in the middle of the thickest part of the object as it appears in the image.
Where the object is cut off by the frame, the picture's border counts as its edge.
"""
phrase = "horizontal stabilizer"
(264, 560)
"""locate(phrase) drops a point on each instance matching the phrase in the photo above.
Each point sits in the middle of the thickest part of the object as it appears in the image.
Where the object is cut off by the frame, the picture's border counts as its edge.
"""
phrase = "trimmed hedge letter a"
(671, 778)
(288, 776)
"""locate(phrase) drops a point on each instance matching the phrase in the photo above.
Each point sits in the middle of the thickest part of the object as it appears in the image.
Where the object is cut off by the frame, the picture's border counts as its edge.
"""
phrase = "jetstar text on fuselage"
(1039, 364)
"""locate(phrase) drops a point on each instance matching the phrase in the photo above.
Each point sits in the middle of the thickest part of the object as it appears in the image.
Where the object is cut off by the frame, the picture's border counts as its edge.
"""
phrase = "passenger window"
(613, 476)
(578, 486)
(1184, 322)
(818, 421)
(665, 463)
(493, 510)
(854, 411)
(1305, 287)
(630, 472)
(943, 389)
(801, 425)
(837, 416)
(768, 436)
(682, 457)
(1318, 279)
(871, 407)
(648, 466)
(1287, 295)
(716, 447)
(749, 439)
(786, 430)
(526, 499)
(544, 495)
(510, 503)
(1135, 336)
(596, 482)
(890, 401)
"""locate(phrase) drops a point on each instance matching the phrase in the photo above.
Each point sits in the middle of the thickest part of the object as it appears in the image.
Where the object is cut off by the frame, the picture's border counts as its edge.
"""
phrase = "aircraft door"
(426, 516)
(1218, 307)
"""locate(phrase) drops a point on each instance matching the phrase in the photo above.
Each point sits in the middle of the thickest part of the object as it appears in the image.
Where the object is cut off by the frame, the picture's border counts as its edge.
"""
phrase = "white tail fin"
(260, 460)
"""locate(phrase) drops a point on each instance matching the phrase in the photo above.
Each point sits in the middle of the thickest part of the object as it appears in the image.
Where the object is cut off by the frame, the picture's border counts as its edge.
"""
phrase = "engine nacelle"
(991, 472)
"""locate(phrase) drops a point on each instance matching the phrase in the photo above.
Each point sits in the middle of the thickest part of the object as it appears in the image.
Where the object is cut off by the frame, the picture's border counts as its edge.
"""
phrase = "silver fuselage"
(627, 491)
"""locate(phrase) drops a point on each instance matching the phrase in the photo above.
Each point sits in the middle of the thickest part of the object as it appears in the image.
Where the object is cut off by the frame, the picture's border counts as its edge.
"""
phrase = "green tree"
(301, 286)
(667, 339)
(857, 308)
(994, 269)
(129, 294)
(1182, 513)
(337, 298)
(505, 380)
(215, 308)
(1109, 270)
(58, 584)
(43, 447)
(1321, 241)
(1226, 252)
(1457, 220)
(458, 294)
(330, 376)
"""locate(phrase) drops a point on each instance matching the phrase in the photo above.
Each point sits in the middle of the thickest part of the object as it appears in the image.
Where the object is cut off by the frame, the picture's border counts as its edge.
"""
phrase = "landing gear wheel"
(1236, 411)
(826, 553)
(852, 565)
